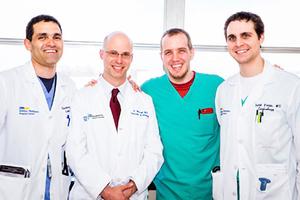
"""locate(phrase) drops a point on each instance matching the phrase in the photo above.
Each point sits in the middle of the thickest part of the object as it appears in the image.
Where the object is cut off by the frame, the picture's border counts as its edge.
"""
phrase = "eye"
(42, 37)
(57, 37)
(167, 53)
(114, 53)
(231, 38)
(182, 50)
(126, 54)
(246, 35)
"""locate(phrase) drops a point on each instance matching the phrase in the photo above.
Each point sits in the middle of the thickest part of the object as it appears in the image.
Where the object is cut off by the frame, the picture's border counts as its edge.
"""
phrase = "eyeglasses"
(114, 54)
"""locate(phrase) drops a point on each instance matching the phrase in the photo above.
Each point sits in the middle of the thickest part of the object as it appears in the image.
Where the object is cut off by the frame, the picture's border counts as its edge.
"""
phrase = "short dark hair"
(175, 31)
(37, 19)
(247, 16)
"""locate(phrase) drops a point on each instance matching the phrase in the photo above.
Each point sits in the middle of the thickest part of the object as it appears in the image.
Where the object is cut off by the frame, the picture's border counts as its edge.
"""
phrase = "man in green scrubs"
(185, 107)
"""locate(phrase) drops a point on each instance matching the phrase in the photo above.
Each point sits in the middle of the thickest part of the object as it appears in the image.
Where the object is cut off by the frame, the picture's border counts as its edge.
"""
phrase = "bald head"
(117, 37)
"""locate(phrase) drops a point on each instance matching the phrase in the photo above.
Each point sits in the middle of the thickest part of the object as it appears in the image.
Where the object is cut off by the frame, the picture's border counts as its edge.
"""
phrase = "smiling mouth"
(176, 67)
(50, 51)
(118, 68)
(241, 51)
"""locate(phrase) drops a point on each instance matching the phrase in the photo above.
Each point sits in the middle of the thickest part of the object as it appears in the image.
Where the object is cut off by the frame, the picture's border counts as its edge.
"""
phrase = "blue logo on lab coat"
(92, 116)
(25, 110)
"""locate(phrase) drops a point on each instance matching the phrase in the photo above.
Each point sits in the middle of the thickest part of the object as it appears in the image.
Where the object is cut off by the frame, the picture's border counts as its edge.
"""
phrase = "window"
(205, 22)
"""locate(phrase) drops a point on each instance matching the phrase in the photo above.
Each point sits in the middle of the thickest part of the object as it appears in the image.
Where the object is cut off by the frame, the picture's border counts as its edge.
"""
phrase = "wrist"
(134, 186)
(105, 192)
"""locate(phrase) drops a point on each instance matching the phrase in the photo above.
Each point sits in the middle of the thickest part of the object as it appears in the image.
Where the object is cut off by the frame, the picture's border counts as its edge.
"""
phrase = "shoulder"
(87, 91)
(65, 79)
(67, 83)
(12, 77)
(232, 80)
(209, 79)
(142, 96)
(136, 96)
(11, 72)
(286, 77)
(154, 82)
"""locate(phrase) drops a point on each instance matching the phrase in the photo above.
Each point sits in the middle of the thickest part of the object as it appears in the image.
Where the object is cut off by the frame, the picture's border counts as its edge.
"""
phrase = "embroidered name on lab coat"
(66, 109)
(262, 108)
(140, 113)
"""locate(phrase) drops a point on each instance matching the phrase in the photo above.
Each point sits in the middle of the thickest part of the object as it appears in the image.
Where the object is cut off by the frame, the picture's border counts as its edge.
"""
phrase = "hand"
(134, 86)
(130, 190)
(114, 193)
(91, 83)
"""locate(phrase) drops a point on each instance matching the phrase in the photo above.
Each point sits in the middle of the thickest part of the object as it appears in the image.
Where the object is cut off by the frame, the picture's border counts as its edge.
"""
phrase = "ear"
(192, 53)
(131, 58)
(101, 53)
(161, 55)
(262, 38)
(27, 44)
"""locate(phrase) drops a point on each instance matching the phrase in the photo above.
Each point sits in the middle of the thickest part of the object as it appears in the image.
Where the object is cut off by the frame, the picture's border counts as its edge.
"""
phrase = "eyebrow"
(246, 33)
(182, 48)
(231, 36)
(243, 33)
(177, 49)
(46, 34)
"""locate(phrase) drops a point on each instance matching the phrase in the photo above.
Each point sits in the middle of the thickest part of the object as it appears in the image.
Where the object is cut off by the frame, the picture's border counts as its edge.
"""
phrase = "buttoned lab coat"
(29, 132)
(99, 155)
(261, 139)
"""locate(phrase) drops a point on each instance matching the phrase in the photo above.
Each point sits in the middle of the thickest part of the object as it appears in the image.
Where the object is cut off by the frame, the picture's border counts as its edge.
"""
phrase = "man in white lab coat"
(259, 113)
(113, 158)
(34, 115)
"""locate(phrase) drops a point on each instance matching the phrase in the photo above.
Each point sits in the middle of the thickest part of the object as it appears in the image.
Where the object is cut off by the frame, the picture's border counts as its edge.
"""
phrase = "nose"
(50, 42)
(119, 58)
(239, 41)
(175, 56)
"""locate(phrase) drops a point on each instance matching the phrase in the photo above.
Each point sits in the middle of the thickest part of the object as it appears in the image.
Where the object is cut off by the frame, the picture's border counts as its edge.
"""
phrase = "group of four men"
(116, 140)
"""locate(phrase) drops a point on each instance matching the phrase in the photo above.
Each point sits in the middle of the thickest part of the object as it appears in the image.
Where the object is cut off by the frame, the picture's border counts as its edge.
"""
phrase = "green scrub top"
(190, 135)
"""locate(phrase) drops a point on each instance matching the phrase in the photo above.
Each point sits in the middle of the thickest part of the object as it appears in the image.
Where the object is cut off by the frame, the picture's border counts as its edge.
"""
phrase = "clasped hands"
(119, 192)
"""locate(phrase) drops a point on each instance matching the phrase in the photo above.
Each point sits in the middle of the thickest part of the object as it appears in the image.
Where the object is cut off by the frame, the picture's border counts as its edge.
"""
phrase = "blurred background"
(86, 23)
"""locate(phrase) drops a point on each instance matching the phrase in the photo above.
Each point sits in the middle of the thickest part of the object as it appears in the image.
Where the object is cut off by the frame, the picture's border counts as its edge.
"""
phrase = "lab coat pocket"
(14, 188)
(217, 185)
(272, 182)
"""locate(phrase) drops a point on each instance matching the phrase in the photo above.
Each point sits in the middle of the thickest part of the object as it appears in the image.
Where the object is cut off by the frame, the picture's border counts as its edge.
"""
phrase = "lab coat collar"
(31, 76)
(267, 75)
(29, 73)
(61, 83)
(107, 87)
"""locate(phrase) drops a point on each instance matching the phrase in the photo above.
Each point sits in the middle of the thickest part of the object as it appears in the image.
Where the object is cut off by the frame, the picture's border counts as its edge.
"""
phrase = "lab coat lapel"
(126, 105)
(259, 88)
(36, 89)
(60, 93)
(104, 108)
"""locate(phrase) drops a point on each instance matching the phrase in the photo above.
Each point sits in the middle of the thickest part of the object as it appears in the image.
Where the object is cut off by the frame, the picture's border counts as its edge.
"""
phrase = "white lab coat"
(98, 154)
(28, 134)
(269, 149)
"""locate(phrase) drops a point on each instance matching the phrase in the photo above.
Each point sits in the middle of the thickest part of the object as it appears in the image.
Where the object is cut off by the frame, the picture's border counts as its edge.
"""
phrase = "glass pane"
(205, 20)
(83, 63)
(224, 65)
(89, 20)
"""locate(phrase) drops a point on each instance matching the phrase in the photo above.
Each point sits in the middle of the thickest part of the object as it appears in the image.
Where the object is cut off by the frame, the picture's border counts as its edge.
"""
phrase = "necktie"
(115, 106)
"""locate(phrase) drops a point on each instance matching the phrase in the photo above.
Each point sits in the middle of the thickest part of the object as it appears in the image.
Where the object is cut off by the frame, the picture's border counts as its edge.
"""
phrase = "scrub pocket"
(217, 185)
(14, 188)
(272, 182)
